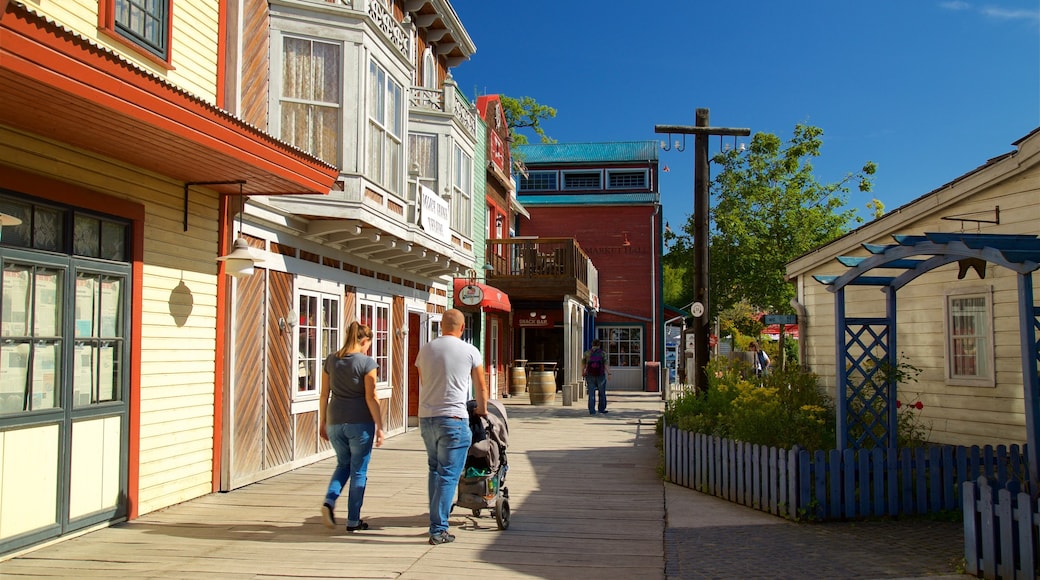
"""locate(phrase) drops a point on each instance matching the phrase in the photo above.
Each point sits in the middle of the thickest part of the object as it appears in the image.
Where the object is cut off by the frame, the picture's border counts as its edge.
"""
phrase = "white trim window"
(376, 315)
(317, 336)
(429, 72)
(969, 338)
(309, 107)
(385, 129)
(627, 178)
(623, 345)
(462, 192)
(422, 150)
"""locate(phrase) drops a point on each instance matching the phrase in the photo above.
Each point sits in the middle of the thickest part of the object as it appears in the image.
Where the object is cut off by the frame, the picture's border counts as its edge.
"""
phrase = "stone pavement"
(585, 502)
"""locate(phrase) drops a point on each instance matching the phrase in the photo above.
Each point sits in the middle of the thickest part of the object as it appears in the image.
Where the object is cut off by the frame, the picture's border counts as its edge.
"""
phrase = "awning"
(472, 295)
(59, 85)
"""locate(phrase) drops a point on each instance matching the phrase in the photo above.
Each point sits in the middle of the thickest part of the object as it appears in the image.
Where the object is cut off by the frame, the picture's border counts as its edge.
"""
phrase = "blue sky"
(926, 89)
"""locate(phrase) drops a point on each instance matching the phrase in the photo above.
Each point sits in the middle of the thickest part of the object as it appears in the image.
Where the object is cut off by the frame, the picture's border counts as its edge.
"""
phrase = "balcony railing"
(447, 99)
(540, 268)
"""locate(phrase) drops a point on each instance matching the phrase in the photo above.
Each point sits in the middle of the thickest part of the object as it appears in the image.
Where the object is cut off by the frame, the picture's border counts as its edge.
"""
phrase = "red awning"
(471, 295)
(773, 330)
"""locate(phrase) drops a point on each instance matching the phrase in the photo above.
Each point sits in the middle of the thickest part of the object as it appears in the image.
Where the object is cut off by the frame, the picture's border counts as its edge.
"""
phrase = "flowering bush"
(781, 409)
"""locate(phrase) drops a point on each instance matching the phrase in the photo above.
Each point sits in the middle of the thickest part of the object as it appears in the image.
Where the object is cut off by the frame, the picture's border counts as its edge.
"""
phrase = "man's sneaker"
(328, 517)
(604, 412)
(361, 526)
(441, 538)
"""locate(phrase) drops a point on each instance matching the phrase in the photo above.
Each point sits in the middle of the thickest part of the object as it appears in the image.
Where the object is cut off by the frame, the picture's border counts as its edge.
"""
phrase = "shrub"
(781, 409)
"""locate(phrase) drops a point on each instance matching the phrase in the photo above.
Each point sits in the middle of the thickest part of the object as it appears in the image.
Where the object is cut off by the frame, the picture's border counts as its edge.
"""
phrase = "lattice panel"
(868, 394)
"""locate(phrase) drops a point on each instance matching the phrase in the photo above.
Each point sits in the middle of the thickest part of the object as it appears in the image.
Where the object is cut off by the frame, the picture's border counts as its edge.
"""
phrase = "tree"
(769, 209)
(526, 113)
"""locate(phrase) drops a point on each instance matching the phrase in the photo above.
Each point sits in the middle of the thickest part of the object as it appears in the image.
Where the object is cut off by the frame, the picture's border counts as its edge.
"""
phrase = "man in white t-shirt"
(449, 371)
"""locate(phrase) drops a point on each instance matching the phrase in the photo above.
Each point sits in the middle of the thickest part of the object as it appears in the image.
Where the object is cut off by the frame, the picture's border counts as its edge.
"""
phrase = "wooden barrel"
(543, 388)
(517, 381)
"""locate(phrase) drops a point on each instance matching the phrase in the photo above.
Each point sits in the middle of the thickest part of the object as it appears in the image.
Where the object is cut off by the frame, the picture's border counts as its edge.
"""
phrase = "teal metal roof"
(589, 199)
(621, 151)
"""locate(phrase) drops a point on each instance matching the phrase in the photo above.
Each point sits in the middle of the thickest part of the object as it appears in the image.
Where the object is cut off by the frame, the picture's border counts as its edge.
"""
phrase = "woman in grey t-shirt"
(350, 419)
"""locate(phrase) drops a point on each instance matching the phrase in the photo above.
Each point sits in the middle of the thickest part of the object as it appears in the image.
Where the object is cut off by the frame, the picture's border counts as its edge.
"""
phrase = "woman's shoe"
(328, 517)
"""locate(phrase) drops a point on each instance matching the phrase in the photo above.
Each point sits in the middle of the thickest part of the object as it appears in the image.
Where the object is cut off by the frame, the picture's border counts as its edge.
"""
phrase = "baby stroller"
(482, 485)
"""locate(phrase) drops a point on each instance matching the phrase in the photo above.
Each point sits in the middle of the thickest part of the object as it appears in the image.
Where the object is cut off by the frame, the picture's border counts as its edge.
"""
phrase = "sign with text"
(780, 319)
(434, 214)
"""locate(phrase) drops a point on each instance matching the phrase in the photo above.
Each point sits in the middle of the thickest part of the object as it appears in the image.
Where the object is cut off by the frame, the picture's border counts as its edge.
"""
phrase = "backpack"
(595, 364)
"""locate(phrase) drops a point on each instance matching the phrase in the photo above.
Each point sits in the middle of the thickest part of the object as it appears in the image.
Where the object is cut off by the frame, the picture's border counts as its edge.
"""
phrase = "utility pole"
(701, 216)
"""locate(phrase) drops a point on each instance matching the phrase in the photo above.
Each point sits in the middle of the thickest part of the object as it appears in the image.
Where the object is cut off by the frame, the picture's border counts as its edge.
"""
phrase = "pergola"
(866, 355)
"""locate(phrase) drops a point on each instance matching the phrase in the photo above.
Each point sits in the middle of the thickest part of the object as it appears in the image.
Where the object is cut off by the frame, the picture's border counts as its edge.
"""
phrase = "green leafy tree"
(768, 209)
(526, 113)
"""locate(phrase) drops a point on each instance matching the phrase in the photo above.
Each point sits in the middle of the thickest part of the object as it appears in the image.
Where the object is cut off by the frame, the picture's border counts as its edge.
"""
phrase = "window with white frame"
(429, 72)
(385, 129)
(969, 340)
(582, 180)
(318, 335)
(538, 181)
(462, 192)
(623, 345)
(627, 179)
(376, 315)
(422, 150)
(310, 101)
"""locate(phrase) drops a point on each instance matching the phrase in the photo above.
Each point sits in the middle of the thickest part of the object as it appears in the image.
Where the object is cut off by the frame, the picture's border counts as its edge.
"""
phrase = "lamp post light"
(701, 215)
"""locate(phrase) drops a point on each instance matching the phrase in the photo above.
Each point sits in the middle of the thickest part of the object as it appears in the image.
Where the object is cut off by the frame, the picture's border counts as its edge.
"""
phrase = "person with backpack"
(761, 359)
(595, 373)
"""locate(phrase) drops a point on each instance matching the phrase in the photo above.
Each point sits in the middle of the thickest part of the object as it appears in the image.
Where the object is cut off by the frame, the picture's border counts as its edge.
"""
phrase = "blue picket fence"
(1001, 531)
(836, 484)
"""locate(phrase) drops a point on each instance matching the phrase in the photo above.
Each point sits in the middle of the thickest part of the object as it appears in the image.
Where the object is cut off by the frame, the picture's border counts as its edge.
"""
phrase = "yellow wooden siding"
(954, 414)
(177, 362)
(193, 40)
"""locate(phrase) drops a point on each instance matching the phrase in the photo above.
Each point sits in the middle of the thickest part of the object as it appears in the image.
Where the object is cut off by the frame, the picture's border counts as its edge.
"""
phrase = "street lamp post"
(701, 216)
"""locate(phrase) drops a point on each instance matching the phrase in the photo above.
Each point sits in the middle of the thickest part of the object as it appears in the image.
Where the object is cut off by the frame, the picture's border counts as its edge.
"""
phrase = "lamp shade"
(9, 220)
(240, 261)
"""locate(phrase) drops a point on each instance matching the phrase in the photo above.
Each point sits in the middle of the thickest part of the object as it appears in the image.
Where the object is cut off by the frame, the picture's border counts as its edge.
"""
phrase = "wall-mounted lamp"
(488, 267)
(534, 314)
(626, 243)
(400, 332)
(239, 263)
(498, 221)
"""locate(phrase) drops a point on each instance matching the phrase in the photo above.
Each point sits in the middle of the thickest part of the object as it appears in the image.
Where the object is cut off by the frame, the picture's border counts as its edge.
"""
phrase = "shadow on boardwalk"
(586, 502)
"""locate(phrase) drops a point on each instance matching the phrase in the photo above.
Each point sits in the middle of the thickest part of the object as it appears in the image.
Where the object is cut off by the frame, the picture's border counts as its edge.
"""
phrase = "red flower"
(919, 405)
(899, 404)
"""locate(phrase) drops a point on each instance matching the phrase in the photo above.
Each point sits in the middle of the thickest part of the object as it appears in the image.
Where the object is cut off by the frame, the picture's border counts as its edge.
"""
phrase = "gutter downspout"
(658, 331)
(803, 321)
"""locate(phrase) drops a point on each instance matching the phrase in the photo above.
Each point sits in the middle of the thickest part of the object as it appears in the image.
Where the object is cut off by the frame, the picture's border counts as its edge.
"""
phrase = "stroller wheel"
(502, 514)
(476, 513)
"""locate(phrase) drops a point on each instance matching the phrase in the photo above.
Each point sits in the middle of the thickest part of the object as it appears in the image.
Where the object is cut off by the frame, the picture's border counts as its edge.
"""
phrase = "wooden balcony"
(541, 269)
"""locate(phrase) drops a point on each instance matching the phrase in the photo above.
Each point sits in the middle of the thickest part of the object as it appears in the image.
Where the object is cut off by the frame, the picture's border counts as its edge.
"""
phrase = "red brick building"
(605, 197)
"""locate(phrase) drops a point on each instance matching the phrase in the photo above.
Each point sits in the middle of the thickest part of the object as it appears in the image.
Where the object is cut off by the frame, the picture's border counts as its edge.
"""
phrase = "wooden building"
(117, 165)
(957, 324)
(327, 138)
(586, 264)
(367, 87)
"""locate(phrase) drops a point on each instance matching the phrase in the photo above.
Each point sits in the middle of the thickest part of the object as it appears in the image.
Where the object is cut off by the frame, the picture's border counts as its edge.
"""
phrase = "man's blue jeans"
(597, 384)
(353, 445)
(447, 441)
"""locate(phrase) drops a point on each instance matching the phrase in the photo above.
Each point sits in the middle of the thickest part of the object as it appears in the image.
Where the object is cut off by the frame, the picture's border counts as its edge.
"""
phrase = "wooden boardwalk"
(585, 497)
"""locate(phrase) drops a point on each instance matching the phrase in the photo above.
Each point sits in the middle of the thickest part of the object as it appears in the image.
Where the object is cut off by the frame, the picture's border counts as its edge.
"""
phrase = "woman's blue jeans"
(447, 442)
(353, 445)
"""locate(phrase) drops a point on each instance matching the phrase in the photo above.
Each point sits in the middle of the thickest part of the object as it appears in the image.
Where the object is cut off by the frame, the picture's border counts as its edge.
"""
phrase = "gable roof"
(613, 152)
(997, 169)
